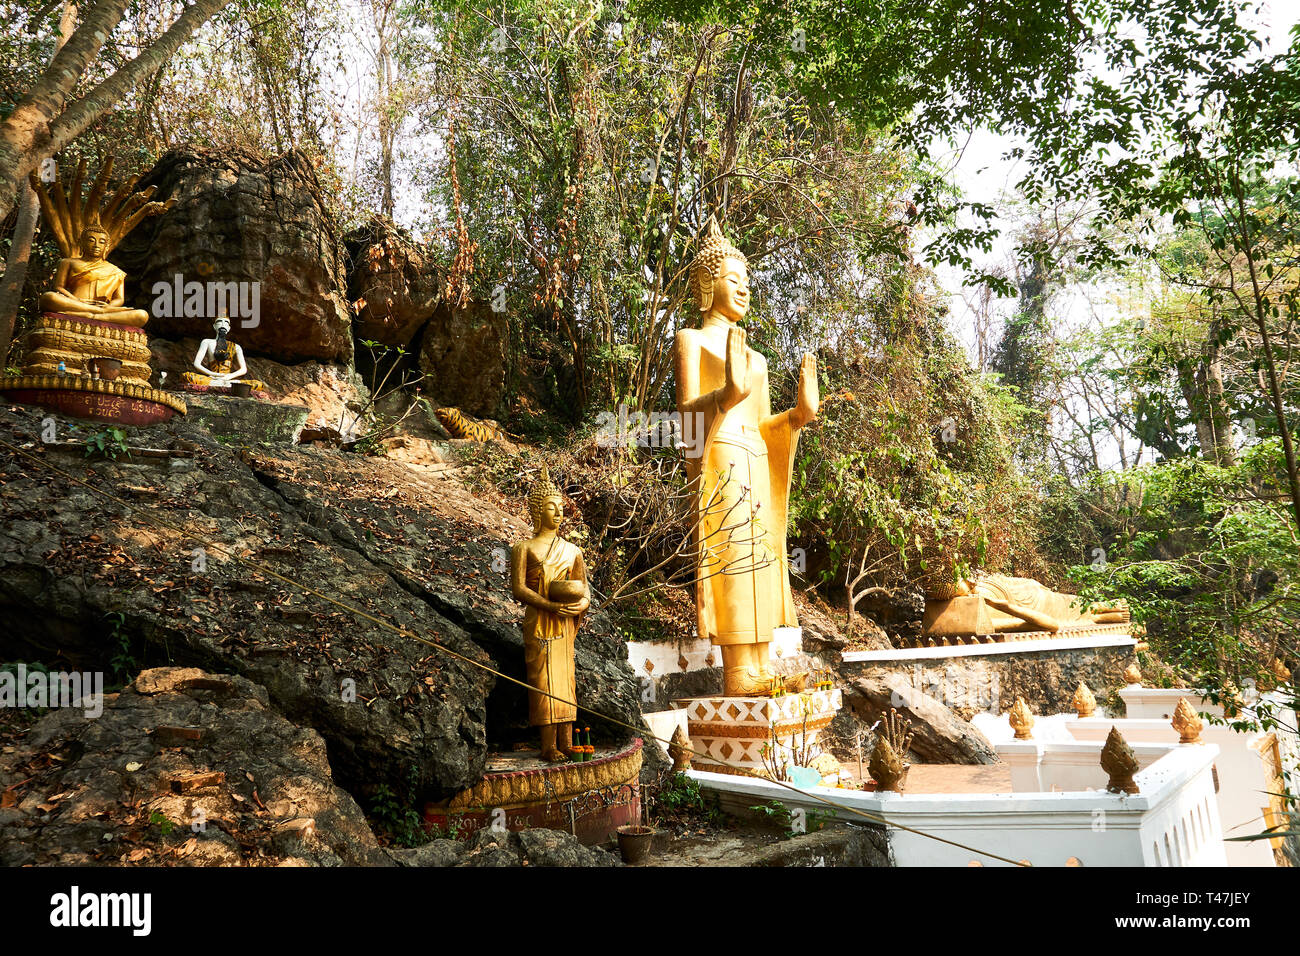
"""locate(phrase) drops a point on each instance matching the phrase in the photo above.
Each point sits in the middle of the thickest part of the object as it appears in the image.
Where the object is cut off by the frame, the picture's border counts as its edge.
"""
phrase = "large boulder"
(240, 217)
(119, 582)
(184, 768)
(463, 357)
(392, 283)
(940, 735)
(457, 567)
(147, 576)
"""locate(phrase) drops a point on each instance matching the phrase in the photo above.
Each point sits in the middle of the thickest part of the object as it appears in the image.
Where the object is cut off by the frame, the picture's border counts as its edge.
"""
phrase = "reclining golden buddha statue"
(998, 604)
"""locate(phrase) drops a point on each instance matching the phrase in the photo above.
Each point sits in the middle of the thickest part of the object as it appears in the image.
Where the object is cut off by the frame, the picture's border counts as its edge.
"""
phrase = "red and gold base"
(97, 400)
(591, 799)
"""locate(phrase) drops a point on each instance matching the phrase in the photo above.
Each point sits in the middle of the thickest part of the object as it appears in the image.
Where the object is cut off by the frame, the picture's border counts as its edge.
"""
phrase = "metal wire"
(405, 632)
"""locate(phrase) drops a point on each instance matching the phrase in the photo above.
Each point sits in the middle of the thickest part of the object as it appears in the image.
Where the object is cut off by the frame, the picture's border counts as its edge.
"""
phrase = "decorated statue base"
(520, 791)
(116, 402)
(258, 394)
(74, 340)
(740, 730)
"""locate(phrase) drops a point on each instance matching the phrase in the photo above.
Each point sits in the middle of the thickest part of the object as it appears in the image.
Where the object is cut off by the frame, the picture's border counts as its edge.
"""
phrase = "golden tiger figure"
(459, 425)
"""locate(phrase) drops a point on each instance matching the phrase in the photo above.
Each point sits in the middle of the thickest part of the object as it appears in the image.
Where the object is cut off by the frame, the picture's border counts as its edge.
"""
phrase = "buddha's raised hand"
(736, 388)
(805, 408)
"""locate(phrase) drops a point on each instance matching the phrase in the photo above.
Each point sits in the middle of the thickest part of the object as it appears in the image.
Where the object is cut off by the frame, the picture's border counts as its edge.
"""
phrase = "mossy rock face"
(245, 218)
(91, 582)
(247, 420)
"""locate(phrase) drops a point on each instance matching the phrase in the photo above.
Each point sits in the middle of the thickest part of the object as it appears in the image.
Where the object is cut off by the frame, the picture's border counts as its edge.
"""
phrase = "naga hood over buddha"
(86, 284)
(85, 326)
(743, 472)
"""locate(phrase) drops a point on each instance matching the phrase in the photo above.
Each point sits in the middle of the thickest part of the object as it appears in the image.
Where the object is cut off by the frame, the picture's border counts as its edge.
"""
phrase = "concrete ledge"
(1048, 829)
(247, 420)
(1009, 649)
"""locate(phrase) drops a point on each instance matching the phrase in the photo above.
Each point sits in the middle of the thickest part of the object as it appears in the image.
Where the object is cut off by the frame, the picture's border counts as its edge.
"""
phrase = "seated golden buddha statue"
(999, 603)
(220, 361)
(89, 285)
(84, 316)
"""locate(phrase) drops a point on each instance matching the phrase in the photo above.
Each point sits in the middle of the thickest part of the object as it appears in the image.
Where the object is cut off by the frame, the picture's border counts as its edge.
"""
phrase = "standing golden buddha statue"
(743, 473)
(548, 577)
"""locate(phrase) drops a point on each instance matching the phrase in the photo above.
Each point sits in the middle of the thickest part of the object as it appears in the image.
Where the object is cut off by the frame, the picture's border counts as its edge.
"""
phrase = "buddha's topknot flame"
(543, 488)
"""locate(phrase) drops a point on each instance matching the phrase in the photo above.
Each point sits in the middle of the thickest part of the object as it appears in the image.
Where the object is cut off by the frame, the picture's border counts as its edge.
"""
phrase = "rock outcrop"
(392, 283)
(238, 218)
(182, 768)
(463, 357)
(143, 577)
(940, 735)
(506, 848)
(395, 286)
(84, 580)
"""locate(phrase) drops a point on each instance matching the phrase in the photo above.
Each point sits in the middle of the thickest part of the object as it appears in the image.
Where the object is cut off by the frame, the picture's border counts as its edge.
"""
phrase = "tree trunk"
(20, 250)
(1209, 382)
(1260, 316)
(40, 126)
(11, 286)
(25, 134)
(1201, 382)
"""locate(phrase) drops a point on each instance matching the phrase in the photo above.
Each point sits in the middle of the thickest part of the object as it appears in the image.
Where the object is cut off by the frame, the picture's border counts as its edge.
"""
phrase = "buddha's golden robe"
(549, 640)
(743, 583)
(92, 285)
(94, 281)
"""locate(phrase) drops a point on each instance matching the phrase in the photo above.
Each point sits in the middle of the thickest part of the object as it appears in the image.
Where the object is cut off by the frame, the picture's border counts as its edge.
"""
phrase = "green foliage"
(398, 816)
(681, 800)
(1206, 558)
(108, 443)
(779, 814)
(159, 821)
(492, 468)
(932, 72)
(451, 831)
(908, 476)
(643, 617)
(592, 145)
(25, 715)
(122, 660)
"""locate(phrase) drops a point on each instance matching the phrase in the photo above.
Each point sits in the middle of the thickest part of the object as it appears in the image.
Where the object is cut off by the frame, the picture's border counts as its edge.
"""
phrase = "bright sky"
(984, 176)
